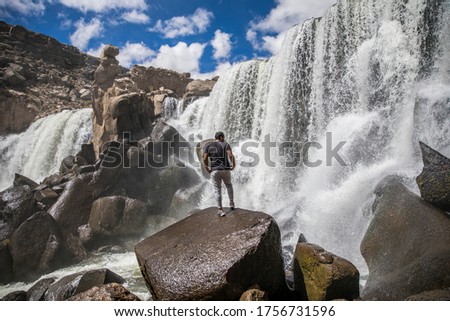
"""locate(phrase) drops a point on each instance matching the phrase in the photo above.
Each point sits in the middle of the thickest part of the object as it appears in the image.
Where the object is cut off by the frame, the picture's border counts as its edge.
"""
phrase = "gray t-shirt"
(217, 153)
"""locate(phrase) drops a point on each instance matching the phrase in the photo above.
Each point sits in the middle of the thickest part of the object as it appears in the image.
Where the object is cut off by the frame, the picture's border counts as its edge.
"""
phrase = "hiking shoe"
(221, 213)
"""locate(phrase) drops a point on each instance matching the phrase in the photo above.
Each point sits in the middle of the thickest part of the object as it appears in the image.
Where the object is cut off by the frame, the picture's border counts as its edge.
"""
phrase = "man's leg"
(229, 186)
(217, 183)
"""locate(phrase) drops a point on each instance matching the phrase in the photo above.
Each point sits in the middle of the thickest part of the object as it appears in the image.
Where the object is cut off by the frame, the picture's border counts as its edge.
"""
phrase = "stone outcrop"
(434, 181)
(200, 88)
(80, 282)
(435, 295)
(107, 292)
(39, 289)
(323, 276)
(207, 257)
(406, 245)
(39, 76)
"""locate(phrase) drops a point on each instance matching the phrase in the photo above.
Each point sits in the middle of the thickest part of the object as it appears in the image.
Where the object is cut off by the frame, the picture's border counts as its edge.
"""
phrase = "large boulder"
(406, 245)
(106, 292)
(18, 204)
(185, 200)
(207, 257)
(38, 290)
(322, 275)
(80, 282)
(37, 247)
(6, 266)
(435, 295)
(434, 181)
(117, 216)
(200, 88)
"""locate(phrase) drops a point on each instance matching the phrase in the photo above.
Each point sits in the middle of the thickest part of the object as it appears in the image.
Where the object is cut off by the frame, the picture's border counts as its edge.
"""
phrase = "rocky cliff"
(40, 76)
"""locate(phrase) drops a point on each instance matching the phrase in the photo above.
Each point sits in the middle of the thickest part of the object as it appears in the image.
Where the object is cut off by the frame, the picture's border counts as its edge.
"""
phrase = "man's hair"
(219, 134)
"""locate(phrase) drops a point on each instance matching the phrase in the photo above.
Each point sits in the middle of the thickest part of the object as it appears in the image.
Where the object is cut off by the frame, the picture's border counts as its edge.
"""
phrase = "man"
(220, 154)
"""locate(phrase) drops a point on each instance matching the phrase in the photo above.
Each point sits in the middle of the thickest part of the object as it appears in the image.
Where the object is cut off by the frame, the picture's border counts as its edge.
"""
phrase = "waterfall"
(375, 74)
(38, 152)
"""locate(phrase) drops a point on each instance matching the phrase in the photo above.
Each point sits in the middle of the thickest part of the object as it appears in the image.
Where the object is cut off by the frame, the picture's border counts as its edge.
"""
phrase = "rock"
(85, 234)
(109, 51)
(15, 296)
(107, 292)
(323, 276)
(73, 207)
(207, 257)
(20, 180)
(435, 295)
(164, 140)
(406, 245)
(46, 196)
(6, 266)
(37, 247)
(38, 290)
(37, 73)
(157, 97)
(185, 200)
(86, 169)
(67, 164)
(200, 88)
(254, 295)
(434, 181)
(80, 282)
(88, 153)
(75, 247)
(19, 204)
(117, 216)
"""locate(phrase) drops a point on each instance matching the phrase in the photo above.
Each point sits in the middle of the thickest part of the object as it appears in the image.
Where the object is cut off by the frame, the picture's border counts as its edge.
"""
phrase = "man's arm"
(231, 157)
(205, 162)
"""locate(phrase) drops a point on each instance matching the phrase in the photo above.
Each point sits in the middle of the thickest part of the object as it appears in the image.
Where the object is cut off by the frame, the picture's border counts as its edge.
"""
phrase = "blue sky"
(204, 37)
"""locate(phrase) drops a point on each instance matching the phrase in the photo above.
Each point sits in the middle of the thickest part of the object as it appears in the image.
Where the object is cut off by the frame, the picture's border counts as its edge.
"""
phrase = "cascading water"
(375, 74)
(38, 152)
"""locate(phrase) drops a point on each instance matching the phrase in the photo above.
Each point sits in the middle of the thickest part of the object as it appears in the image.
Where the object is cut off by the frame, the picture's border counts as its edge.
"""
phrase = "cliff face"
(40, 76)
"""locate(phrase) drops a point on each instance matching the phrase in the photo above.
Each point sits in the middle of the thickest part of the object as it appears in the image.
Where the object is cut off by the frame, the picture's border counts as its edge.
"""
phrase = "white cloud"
(135, 16)
(221, 68)
(287, 13)
(85, 32)
(25, 7)
(96, 51)
(134, 53)
(221, 44)
(181, 57)
(196, 23)
(104, 5)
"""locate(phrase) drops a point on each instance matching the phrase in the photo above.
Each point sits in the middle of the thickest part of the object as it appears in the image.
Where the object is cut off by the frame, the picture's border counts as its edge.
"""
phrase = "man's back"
(217, 153)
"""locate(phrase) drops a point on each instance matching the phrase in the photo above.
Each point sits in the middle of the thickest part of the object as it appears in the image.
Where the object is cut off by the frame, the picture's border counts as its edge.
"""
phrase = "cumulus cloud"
(104, 5)
(221, 68)
(85, 31)
(267, 34)
(196, 23)
(135, 16)
(134, 53)
(25, 7)
(221, 45)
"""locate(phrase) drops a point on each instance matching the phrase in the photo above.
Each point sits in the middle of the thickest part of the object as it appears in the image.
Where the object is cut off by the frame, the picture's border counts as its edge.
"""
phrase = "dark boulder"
(20, 180)
(6, 263)
(37, 247)
(19, 204)
(46, 196)
(73, 207)
(107, 292)
(185, 200)
(88, 153)
(406, 245)
(117, 216)
(435, 295)
(207, 257)
(67, 164)
(323, 276)
(15, 296)
(38, 290)
(434, 181)
(80, 282)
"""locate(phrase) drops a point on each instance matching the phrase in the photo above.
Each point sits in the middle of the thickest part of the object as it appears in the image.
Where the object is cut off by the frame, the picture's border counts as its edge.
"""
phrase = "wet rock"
(85, 234)
(19, 204)
(86, 169)
(185, 200)
(80, 282)
(15, 296)
(20, 180)
(37, 247)
(207, 257)
(38, 290)
(406, 245)
(46, 196)
(435, 295)
(323, 276)
(117, 216)
(88, 153)
(6, 266)
(73, 207)
(67, 164)
(434, 181)
(107, 292)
